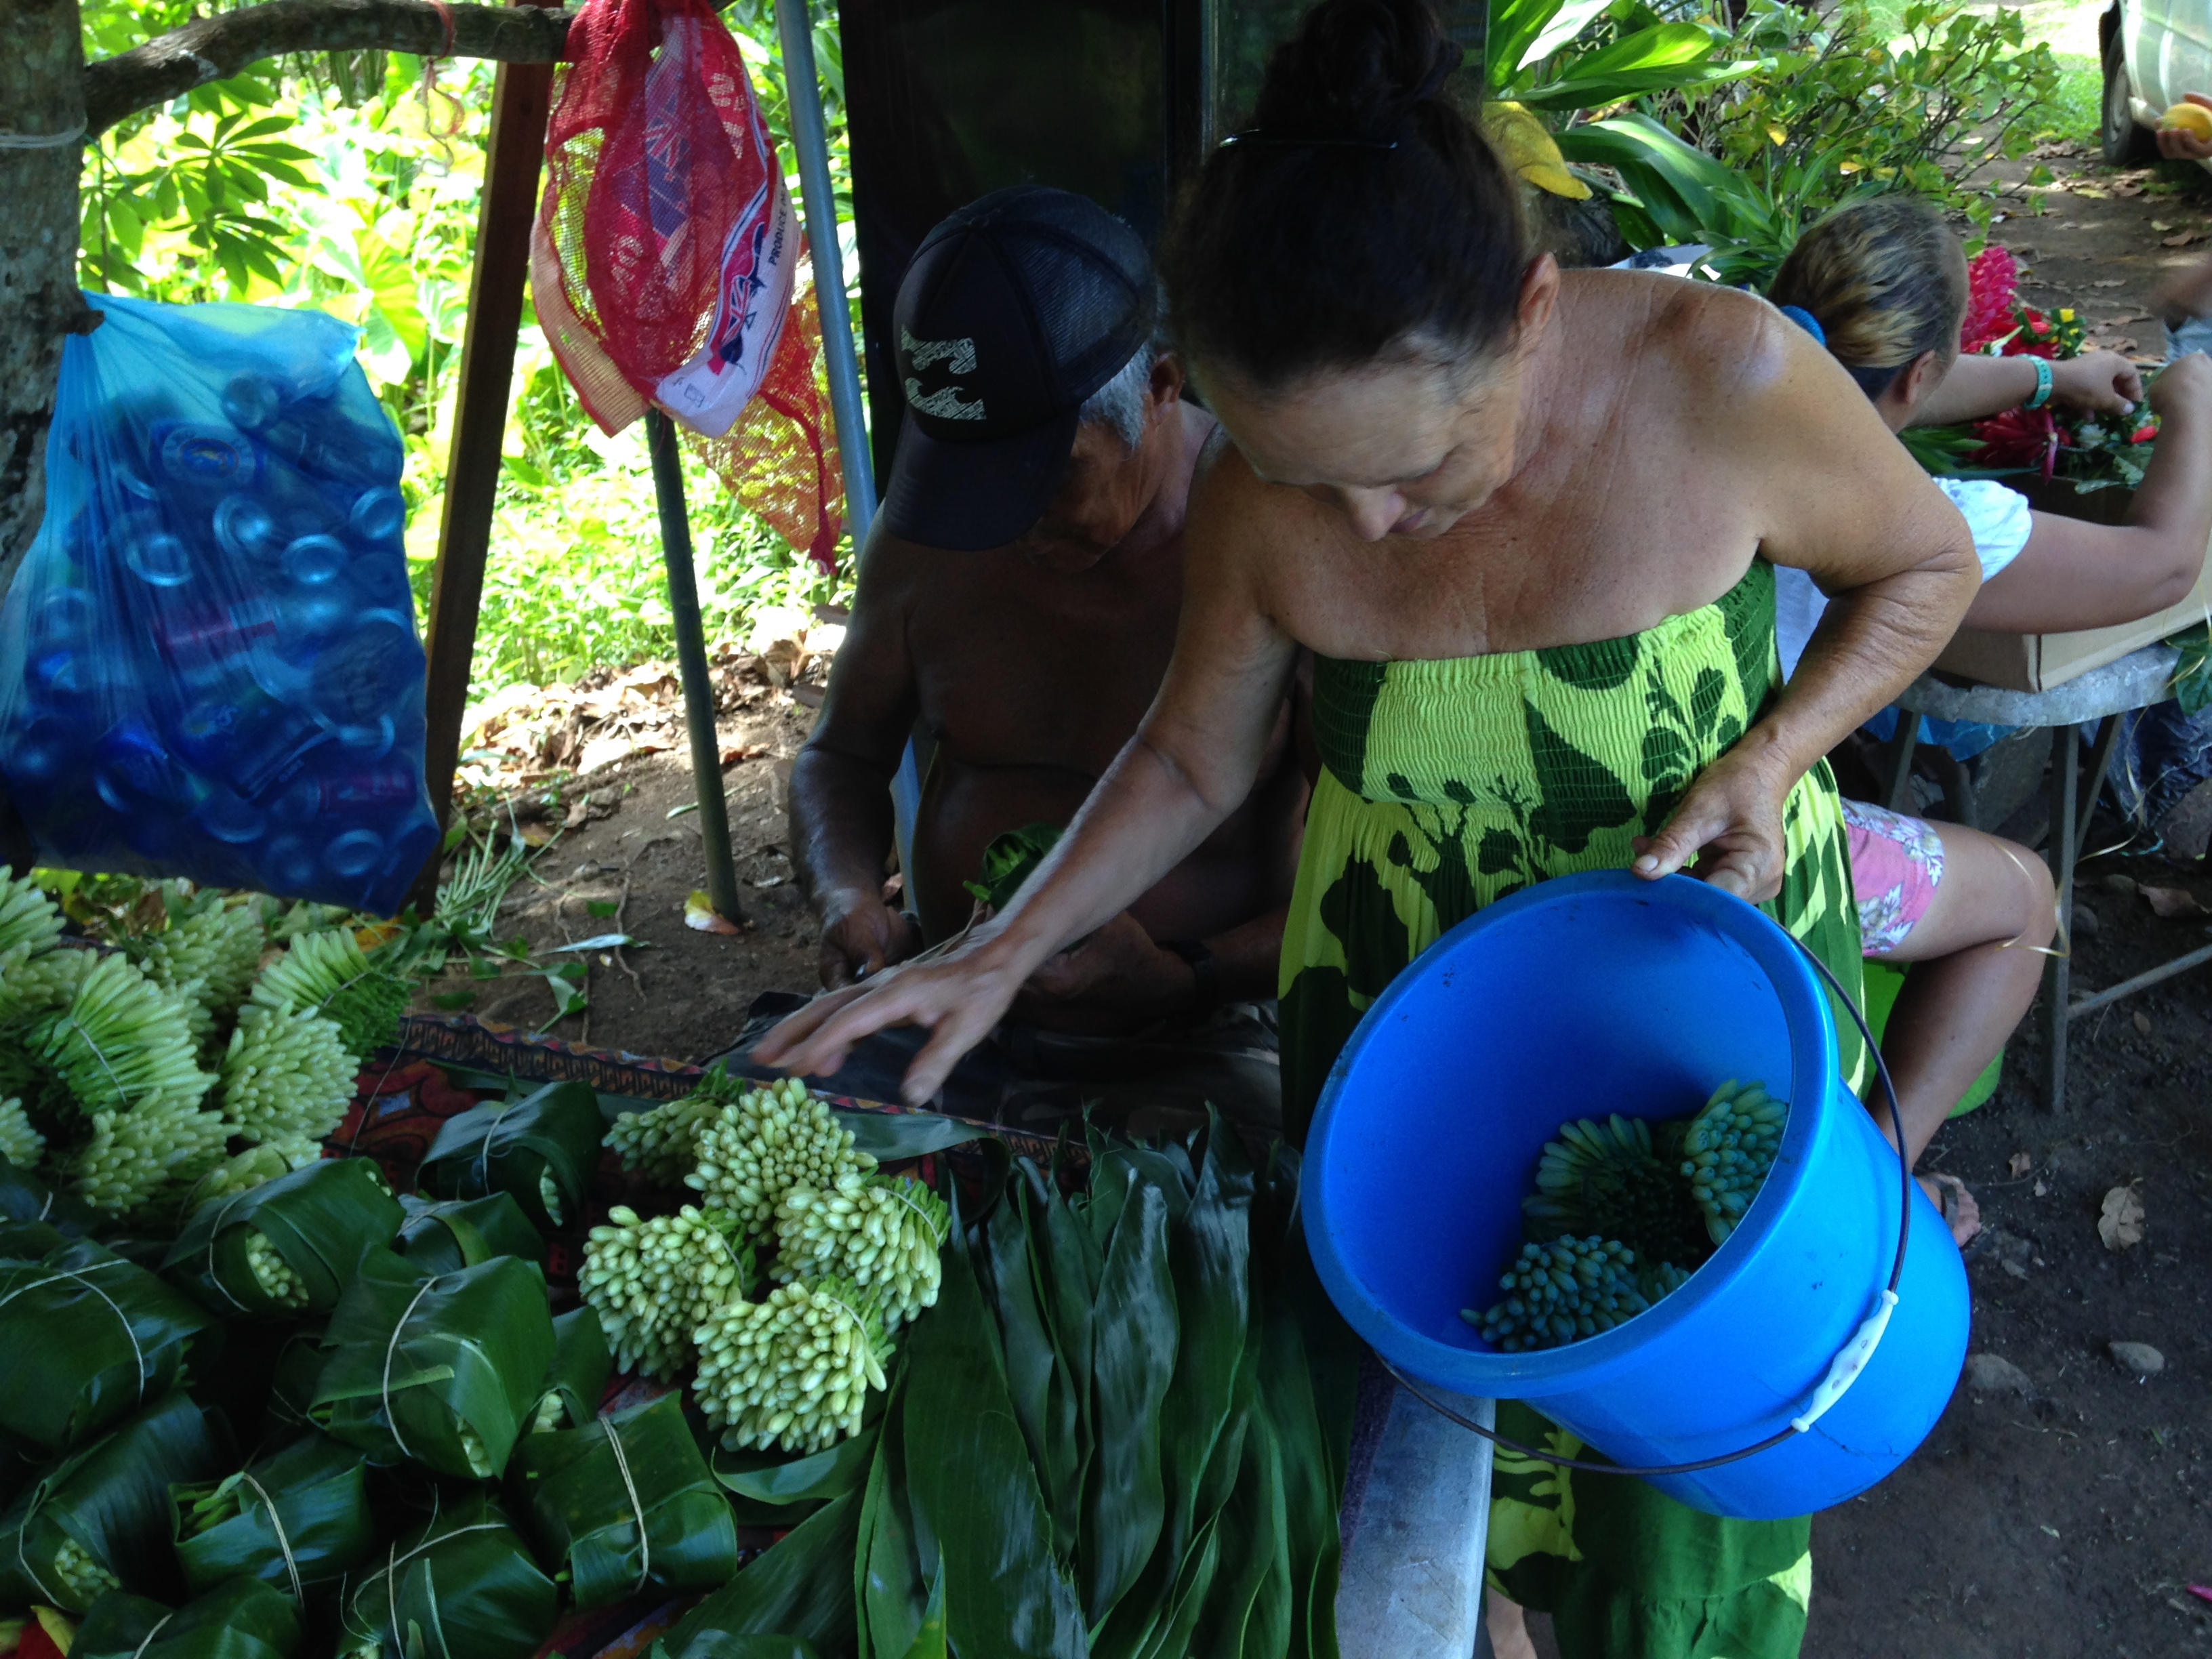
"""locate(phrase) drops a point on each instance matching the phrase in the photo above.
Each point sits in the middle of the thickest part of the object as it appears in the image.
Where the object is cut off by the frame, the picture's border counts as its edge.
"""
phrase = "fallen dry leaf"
(2181, 238)
(2127, 190)
(2171, 902)
(579, 810)
(2110, 282)
(700, 916)
(2121, 1226)
(2125, 342)
(734, 752)
(2019, 1164)
(2161, 224)
(2142, 1023)
(606, 750)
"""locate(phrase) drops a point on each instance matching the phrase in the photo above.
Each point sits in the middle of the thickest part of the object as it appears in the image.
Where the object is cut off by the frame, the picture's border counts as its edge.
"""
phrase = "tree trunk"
(42, 112)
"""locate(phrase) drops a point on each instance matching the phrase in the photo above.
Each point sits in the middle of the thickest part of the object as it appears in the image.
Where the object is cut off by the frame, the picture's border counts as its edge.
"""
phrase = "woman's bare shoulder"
(1712, 341)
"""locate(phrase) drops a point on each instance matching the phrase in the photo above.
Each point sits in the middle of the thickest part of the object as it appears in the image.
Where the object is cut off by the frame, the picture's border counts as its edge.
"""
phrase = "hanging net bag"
(668, 268)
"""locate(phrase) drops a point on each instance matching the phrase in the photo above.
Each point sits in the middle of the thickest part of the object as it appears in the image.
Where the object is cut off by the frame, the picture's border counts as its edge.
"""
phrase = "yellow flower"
(2066, 314)
(1777, 132)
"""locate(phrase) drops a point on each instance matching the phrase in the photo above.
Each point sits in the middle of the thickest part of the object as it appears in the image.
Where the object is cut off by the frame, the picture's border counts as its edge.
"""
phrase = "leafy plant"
(1567, 55)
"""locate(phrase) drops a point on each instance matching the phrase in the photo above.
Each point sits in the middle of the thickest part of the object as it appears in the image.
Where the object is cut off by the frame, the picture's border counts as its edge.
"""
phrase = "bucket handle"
(1843, 1370)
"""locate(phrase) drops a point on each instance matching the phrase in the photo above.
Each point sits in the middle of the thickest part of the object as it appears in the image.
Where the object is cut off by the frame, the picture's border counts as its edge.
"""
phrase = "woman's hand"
(959, 996)
(2102, 381)
(1730, 822)
(2183, 384)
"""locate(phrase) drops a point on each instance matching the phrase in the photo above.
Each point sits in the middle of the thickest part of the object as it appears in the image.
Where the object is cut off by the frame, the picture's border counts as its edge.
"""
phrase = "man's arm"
(842, 827)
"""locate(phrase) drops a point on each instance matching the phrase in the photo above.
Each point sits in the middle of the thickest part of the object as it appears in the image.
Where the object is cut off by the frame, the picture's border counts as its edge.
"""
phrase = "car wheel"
(2123, 142)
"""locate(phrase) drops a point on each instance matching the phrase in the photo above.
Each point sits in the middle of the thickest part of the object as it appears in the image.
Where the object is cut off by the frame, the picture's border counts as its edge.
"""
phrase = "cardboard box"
(2037, 662)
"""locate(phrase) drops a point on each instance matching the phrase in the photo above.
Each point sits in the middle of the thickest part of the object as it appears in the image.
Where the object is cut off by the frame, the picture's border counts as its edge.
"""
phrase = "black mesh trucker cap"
(1015, 309)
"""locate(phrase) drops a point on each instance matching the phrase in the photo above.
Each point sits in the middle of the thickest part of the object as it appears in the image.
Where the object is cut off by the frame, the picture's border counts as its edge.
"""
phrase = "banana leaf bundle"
(444, 1369)
(463, 1586)
(626, 1503)
(243, 1619)
(296, 1518)
(298, 1371)
(25, 1195)
(99, 1519)
(541, 1150)
(287, 1246)
(86, 1338)
(1125, 1425)
(578, 1376)
(448, 1233)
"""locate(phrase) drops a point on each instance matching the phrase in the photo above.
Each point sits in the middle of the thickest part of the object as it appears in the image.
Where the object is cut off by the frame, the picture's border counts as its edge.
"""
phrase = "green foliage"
(1844, 107)
(349, 182)
(1563, 55)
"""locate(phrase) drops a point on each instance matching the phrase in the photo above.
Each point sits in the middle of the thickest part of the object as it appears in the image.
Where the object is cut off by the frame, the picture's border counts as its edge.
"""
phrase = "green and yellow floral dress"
(1447, 785)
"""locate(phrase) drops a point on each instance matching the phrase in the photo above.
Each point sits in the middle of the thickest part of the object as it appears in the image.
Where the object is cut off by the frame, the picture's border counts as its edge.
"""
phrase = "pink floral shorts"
(1897, 864)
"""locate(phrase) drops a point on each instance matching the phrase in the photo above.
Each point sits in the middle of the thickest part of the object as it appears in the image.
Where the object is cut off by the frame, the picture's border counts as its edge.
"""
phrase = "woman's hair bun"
(1354, 69)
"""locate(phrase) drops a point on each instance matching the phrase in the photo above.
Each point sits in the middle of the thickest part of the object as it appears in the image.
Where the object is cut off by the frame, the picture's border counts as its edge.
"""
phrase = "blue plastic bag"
(209, 666)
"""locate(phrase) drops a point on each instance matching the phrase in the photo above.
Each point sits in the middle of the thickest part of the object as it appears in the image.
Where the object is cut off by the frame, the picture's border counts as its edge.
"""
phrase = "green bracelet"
(2042, 383)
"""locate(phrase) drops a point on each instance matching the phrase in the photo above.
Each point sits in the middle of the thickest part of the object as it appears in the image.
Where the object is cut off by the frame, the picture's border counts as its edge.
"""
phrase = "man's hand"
(2103, 381)
(863, 936)
(2179, 143)
(1118, 971)
(1731, 822)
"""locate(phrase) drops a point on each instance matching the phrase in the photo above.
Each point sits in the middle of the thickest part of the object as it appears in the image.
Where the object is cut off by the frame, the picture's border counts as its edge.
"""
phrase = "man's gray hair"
(1120, 403)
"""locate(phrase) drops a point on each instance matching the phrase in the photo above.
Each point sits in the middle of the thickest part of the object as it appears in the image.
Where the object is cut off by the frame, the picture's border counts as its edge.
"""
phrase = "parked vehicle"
(2154, 51)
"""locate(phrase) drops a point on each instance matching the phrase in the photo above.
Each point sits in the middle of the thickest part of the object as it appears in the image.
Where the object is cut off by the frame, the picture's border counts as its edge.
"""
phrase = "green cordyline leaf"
(973, 1488)
(800, 1592)
(1132, 1360)
(443, 1235)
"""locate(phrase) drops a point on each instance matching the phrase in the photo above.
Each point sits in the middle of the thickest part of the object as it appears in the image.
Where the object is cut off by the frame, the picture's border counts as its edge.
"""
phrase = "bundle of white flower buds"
(885, 1235)
(652, 1281)
(774, 1138)
(272, 1272)
(794, 1370)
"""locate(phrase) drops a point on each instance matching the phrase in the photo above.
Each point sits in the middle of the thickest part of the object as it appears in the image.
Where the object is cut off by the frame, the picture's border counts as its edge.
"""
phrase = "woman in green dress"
(1526, 522)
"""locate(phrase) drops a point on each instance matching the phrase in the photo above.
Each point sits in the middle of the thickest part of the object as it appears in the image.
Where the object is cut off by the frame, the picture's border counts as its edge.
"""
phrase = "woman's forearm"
(1145, 817)
(1872, 642)
(1976, 387)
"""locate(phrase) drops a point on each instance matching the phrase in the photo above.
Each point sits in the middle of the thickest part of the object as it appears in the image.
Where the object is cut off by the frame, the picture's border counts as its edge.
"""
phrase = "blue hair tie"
(1806, 320)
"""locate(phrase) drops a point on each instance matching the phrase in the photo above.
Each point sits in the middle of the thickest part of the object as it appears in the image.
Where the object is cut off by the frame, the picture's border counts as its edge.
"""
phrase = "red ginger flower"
(1993, 296)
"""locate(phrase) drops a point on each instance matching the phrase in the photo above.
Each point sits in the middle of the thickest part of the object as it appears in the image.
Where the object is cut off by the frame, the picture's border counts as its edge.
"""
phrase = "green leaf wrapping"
(463, 1586)
(1012, 859)
(319, 1219)
(507, 1146)
(320, 1529)
(26, 1196)
(243, 1619)
(107, 1505)
(569, 1397)
(299, 1368)
(973, 1488)
(86, 1338)
(627, 1505)
(444, 1369)
(887, 1137)
(443, 1235)
(801, 1587)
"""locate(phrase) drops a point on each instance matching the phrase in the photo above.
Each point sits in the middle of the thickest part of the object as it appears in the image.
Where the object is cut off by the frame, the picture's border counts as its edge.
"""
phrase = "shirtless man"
(1019, 595)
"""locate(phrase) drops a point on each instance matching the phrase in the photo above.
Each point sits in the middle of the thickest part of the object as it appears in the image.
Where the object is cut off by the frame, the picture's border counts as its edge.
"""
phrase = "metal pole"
(692, 664)
(2057, 980)
(819, 199)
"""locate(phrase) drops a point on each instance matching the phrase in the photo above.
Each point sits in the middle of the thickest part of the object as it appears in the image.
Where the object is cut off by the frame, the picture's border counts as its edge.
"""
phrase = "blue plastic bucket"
(1599, 994)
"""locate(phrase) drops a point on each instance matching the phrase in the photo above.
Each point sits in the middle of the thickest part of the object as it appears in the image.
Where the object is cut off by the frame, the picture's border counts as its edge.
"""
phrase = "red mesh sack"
(666, 263)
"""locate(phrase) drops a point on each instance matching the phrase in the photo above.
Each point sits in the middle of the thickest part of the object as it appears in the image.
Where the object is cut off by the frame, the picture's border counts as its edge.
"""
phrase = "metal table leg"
(2063, 846)
(1897, 793)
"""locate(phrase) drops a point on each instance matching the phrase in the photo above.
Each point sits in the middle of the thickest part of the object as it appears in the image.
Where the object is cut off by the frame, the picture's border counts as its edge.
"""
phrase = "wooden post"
(521, 98)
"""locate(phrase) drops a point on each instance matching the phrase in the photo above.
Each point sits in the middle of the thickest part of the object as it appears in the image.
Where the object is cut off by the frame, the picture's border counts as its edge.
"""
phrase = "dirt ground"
(2064, 1510)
